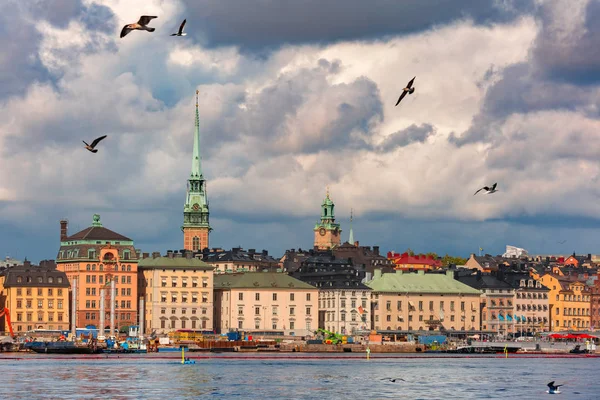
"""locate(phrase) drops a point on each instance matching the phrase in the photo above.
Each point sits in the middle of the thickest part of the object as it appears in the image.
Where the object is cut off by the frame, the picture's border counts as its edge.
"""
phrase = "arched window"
(196, 243)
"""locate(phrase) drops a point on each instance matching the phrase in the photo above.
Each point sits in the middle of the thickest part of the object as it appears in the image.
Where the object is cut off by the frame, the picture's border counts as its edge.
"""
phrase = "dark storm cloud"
(574, 57)
(257, 24)
(404, 137)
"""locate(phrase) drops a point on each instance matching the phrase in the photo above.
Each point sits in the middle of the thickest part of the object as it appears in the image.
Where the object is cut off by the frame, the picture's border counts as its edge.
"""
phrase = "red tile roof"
(404, 258)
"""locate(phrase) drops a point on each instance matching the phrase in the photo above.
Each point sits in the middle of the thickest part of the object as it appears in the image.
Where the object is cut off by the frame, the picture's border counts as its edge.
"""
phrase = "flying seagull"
(180, 32)
(562, 242)
(90, 147)
(140, 25)
(552, 388)
(488, 189)
(408, 89)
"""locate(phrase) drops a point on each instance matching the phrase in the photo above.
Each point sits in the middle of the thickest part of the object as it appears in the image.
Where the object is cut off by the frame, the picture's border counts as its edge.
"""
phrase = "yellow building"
(37, 297)
(569, 303)
(177, 291)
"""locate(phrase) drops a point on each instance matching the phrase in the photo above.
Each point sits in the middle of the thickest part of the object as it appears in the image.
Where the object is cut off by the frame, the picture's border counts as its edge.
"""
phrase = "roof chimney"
(146, 255)
(376, 250)
(63, 229)
(155, 254)
(170, 253)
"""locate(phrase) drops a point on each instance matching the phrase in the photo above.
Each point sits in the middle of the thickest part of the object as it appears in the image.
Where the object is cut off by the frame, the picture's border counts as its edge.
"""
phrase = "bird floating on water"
(393, 379)
(553, 389)
(408, 89)
(180, 32)
(90, 147)
(488, 189)
(140, 25)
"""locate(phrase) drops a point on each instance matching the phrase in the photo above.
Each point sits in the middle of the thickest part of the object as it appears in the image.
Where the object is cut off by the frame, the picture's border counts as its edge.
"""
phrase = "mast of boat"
(112, 307)
(74, 309)
(102, 315)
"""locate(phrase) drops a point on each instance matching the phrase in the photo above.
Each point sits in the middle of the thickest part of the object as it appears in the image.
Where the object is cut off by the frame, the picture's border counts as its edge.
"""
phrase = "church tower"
(327, 232)
(195, 211)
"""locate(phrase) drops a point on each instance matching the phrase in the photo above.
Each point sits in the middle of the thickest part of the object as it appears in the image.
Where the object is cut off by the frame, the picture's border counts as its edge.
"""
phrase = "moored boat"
(62, 347)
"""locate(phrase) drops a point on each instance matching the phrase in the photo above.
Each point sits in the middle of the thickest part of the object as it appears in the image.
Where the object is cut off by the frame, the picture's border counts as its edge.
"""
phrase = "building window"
(50, 303)
(307, 296)
(307, 310)
(257, 297)
(40, 304)
(256, 310)
(19, 304)
(240, 296)
(292, 325)
(196, 243)
(291, 296)
(292, 309)
(274, 296)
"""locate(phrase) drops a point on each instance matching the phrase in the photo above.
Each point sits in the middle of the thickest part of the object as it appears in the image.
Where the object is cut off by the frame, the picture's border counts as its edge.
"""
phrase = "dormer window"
(522, 284)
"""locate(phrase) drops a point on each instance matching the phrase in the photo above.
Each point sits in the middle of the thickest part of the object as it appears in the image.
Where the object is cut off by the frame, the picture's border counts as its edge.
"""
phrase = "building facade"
(532, 305)
(344, 302)
(37, 297)
(177, 291)
(423, 302)
(570, 303)
(95, 257)
(497, 301)
(265, 301)
(196, 227)
(327, 232)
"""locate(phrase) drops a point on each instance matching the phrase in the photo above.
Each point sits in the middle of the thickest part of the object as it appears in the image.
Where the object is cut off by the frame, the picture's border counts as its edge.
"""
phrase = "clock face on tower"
(322, 231)
(196, 206)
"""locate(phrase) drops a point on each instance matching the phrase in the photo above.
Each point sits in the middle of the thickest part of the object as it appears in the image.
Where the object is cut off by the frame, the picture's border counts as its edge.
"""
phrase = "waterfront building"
(177, 291)
(265, 301)
(344, 302)
(417, 262)
(532, 305)
(95, 257)
(569, 303)
(497, 301)
(196, 227)
(595, 305)
(239, 260)
(37, 297)
(422, 301)
(327, 232)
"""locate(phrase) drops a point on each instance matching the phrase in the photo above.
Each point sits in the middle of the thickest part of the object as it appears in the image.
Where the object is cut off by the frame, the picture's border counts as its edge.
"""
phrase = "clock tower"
(327, 232)
(195, 211)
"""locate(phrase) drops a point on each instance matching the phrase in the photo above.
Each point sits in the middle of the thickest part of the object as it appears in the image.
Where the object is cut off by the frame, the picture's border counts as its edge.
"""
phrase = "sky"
(295, 97)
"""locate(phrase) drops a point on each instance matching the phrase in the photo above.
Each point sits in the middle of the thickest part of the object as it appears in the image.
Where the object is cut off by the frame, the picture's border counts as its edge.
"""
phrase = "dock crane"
(6, 313)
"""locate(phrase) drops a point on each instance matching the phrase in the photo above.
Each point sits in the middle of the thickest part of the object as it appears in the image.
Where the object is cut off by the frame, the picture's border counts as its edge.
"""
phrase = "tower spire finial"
(196, 160)
(327, 191)
(351, 236)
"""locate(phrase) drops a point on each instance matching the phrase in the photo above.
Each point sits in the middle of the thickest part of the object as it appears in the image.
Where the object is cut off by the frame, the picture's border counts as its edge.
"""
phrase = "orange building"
(327, 231)
(37, 297)
(95, 257)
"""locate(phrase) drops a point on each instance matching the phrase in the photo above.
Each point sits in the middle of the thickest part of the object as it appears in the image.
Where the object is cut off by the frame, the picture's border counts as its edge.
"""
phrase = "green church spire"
(195, 210)
(196, 160)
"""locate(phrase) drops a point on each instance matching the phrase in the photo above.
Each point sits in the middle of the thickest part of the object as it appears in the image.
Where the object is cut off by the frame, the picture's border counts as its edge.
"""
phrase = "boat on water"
(63, 347)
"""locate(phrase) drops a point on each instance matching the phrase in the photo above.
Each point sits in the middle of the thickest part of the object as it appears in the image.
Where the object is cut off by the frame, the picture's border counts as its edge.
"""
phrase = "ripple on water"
(347, 379)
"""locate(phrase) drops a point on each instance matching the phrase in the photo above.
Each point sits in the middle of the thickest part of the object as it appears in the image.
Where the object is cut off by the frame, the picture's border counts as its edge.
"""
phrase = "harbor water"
(289, 376)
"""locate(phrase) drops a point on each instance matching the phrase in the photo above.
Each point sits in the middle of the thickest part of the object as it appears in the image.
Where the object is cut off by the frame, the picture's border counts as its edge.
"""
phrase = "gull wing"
(125, 31)
(96, 141)
(411, 82)
(494, 186)
(144, 19)
(483, 188)
(181, 27)
(401, 97)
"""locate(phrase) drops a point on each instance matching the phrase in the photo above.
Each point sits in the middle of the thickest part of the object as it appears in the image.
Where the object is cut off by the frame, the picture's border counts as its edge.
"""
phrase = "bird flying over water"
(90, 147)
(140, 25)
(408, 89)
(552, 388)
(562, 242)
(180, 32)
(488, 189)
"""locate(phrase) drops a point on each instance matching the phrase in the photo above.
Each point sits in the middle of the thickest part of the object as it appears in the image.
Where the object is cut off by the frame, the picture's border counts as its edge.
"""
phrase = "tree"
(447, 260)
(410, 252)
